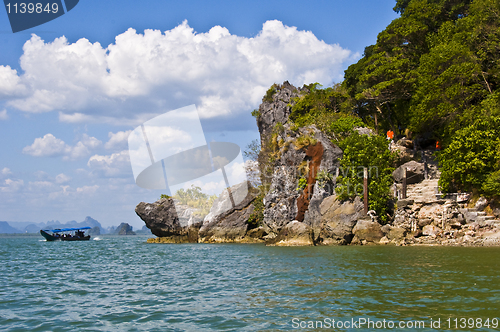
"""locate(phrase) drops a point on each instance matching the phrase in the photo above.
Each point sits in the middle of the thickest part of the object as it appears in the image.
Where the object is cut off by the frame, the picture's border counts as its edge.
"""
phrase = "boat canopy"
(57, 230)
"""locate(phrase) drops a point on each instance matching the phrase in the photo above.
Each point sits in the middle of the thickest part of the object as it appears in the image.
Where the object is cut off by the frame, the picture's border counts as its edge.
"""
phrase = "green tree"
(371, 152)
(471, 158)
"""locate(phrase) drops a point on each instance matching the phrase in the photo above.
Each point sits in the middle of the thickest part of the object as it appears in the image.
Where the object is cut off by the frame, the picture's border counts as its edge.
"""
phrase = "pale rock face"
(338, 219)
(481, 204)
(295, 233)
(281, 201)
(226, 223)
(431, 230)
(367, 231)
(223, 203)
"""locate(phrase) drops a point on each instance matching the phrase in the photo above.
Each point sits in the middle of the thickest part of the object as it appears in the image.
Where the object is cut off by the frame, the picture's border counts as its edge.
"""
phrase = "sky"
(73, 89)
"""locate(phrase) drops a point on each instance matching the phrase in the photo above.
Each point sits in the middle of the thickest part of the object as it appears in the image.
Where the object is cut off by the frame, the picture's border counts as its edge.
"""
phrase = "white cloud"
(87, 189)
(10, 83)
(46, 146)
(40, 186)
(115, 164)
(117, 140)
(4, 115)
(219, 72)
(62, 178)
(50, 146)
(5, 171)
(12, 185)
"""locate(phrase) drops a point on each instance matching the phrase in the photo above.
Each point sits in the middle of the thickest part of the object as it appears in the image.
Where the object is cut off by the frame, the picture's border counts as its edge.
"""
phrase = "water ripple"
(122, 283)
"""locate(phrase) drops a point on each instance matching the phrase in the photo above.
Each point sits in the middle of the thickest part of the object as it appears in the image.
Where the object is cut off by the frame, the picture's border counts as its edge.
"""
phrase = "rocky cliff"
(290, 161)
(297, 203)
(172, 222)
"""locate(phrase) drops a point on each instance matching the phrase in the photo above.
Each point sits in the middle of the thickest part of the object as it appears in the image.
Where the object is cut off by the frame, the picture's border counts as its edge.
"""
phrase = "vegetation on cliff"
(194, 198)
(434, 73)
(371, 152)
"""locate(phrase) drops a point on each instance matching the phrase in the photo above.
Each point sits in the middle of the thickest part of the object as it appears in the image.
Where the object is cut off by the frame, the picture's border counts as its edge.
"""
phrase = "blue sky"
(72, 89)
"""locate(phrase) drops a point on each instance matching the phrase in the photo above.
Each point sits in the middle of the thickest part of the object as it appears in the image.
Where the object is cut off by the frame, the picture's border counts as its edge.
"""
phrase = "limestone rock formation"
(162, 219)
(124, 229)
(338, 219)
(295, 233)
(226, 223)
(290, 154)
(367, 231)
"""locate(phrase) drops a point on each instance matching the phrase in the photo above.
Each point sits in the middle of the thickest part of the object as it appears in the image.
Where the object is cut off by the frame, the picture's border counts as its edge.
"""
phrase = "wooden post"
(403, 194)
(365, 186)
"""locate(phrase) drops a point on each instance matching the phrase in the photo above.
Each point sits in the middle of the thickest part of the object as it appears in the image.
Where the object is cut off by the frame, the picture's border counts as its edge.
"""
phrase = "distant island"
(96, 227)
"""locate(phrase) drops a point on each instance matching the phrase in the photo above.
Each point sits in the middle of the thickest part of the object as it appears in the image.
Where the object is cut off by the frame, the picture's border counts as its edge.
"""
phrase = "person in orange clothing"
(390, 134)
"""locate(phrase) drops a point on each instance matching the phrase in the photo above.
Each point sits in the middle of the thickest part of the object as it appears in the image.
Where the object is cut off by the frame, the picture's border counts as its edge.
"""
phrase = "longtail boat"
(65, 234)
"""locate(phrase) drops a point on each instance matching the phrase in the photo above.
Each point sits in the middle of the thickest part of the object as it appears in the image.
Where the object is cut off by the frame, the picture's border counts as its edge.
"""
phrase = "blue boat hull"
(50, 237)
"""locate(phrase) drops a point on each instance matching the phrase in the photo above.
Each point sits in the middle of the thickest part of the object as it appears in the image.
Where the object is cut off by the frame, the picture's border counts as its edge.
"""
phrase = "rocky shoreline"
(313, 215)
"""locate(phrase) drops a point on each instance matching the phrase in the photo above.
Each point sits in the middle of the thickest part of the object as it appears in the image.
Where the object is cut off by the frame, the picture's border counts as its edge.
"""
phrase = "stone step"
(485, 218)
(492, 223)
(467, 210)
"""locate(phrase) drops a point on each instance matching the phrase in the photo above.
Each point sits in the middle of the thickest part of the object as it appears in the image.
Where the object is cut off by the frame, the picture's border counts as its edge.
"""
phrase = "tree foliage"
(471, 160)
(435, 71)
(373, 153)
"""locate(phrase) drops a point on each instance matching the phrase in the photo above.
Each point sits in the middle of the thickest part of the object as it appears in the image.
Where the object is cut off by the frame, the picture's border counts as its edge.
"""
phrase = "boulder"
(431, 230)
(424, 222)
(230, 228)
(367, 231)
(295, 233)
(434, 212)
(394, 234)
(289, 153)
(492, 239)
(226, 223)
(414, 172)
(481, 204)
(338, 219)
(222, 206)
(162, 219)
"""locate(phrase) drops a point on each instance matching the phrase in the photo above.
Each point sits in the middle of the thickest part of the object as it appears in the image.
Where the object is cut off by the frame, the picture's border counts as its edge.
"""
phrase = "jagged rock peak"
(276, 107)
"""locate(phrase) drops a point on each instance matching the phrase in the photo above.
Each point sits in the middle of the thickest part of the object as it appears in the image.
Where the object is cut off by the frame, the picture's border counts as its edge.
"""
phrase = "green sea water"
(124, 284)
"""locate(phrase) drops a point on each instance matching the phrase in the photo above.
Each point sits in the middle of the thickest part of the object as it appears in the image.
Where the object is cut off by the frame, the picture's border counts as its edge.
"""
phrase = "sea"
(122, 283)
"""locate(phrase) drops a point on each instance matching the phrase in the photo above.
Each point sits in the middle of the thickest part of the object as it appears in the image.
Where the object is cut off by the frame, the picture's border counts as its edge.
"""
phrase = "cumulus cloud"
(46, 146)
(50, 146)
(6, 171)
(117, 140)
(10, 83)
(12, 185)
(87, 189)
(62, 178)
(153, 72)
(115, 164)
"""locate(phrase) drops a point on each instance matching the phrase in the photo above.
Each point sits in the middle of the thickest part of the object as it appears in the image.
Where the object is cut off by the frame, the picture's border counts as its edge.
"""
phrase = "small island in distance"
(30, 228)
